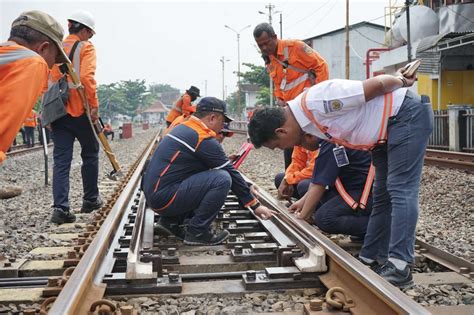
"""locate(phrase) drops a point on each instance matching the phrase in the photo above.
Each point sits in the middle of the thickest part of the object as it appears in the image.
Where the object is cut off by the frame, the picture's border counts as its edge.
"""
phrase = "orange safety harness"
(382, 138)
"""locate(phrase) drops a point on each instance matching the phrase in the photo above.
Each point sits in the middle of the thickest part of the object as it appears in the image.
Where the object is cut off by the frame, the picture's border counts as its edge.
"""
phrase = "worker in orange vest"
(75, 125)
(183, 105)
(34, 46)
(292, 65)
(30, 125)
(294, 182)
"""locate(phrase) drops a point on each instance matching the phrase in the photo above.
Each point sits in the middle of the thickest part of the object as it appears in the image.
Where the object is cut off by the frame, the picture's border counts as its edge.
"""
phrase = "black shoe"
(373, 265)
(206, 238)
(167, 229)
(400, 278)
(89, 206)
(356, 239)
(61, 216)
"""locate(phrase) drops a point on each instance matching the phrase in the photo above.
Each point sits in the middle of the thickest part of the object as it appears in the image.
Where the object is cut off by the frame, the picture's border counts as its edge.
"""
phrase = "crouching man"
(189, 176)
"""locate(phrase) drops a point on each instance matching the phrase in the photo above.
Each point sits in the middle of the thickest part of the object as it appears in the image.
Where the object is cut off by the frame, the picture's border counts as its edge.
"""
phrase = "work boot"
(164, 228)
(373, 265)
(206, 238)
(10, 191)
(61, 216)
(89, 206)
(400, 278)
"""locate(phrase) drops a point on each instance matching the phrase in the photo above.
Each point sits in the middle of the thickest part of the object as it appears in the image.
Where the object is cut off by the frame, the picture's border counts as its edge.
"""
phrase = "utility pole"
(223, 60)
(238, 60)
(281, 25)
(205, 87)
(348, 67)
(270, 8)
(407, 5)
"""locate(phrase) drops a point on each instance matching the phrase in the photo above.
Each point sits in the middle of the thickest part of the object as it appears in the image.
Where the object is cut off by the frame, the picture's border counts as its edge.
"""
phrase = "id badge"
(341, 156)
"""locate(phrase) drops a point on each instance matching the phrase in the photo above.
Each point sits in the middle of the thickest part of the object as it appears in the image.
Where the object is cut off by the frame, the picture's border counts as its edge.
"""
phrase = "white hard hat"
(85, 18)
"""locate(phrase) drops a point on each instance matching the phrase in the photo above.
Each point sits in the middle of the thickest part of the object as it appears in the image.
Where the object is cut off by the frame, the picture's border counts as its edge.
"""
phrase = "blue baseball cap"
(213, 104)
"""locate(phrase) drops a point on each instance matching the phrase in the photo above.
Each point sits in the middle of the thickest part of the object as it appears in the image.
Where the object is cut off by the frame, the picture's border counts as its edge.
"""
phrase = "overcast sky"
(181, 42)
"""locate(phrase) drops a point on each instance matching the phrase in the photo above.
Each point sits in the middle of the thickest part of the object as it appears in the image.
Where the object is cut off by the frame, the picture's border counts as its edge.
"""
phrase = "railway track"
(120, 255)
(23, 149)
(457, 160)
(448, 159)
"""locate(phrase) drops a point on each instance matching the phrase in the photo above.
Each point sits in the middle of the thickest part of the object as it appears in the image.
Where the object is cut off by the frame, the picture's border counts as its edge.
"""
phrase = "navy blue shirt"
(188, 149)
(352, 176)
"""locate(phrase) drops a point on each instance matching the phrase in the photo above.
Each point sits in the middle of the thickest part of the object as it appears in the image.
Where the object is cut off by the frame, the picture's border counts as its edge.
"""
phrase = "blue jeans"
(64, 132)
(336, 217)
(199, 197)
(301, 187)
(398, 165)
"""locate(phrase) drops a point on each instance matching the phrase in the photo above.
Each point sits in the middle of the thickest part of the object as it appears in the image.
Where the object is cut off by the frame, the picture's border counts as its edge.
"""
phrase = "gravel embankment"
(26, 217)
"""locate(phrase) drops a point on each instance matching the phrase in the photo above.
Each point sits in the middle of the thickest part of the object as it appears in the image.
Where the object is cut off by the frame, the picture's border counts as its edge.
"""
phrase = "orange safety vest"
(23, 78)
(84, 63)
(30, 120)
(382, 138)
(182, 107)
(293, 67)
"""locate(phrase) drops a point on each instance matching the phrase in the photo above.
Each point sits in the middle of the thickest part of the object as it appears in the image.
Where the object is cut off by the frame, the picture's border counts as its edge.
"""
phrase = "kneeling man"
(189, 176)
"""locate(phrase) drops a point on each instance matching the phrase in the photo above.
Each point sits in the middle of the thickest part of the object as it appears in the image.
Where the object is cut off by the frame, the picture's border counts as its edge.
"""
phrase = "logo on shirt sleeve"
(332, 106)
(307, 49)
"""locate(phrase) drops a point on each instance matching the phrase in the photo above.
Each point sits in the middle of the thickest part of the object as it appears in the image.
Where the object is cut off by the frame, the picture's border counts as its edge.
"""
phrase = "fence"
(468, 118)
(440, 137)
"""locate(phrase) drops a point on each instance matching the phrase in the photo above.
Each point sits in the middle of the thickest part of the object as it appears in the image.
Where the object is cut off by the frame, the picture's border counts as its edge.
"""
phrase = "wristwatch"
(255, 206)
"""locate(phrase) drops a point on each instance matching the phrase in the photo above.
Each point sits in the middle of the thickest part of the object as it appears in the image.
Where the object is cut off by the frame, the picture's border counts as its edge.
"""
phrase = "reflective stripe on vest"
(15, 55)
(76, 62)
(283, 85)
(382, 138)
(365, 193)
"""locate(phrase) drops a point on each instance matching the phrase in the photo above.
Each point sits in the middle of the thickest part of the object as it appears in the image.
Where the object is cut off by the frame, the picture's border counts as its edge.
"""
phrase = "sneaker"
(61, 216)
(89, 206)
(167, 229)
(373, 265)
(400, 278)
(356, 239)
(206, 238)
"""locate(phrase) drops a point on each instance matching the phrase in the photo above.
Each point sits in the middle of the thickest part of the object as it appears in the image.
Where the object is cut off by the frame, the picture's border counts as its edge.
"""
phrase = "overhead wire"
(309, 15)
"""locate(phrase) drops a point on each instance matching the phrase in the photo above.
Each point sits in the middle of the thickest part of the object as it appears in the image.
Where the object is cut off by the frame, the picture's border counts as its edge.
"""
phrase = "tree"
(123, 97)
(256, 75)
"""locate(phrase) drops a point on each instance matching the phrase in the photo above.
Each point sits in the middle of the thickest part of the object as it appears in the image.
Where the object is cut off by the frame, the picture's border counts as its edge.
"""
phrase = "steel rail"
(80, 290)
(26, 150)
(450, 159)
(371, 293)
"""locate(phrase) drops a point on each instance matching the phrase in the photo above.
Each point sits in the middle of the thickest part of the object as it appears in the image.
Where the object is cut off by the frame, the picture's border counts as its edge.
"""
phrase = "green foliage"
(123, 97)
(257, 75)
(263, 96)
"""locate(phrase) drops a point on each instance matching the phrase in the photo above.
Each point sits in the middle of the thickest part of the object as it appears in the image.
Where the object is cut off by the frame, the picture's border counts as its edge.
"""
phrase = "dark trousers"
(64, 132)
(336, 217)
(300, 189)
(199, 197)
(287, 153)
(23, 135)
(30, 136)
(398, 166)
